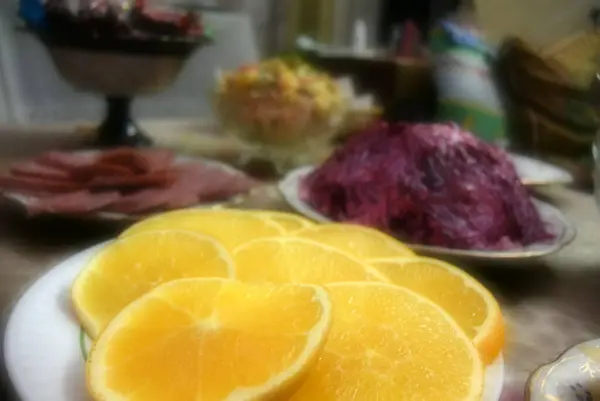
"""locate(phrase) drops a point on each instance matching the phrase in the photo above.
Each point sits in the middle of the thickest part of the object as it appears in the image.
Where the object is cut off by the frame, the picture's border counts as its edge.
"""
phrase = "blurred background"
(31, 91)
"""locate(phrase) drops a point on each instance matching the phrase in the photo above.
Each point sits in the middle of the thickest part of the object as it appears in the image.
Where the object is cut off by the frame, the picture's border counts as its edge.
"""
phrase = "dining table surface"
(549, 303)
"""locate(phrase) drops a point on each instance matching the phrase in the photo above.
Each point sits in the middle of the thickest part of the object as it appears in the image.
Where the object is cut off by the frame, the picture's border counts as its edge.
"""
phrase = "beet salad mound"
(429, 184)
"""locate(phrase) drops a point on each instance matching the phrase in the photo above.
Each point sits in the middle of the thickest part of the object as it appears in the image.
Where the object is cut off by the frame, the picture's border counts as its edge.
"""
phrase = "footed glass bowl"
(119, 70)
(286, 135)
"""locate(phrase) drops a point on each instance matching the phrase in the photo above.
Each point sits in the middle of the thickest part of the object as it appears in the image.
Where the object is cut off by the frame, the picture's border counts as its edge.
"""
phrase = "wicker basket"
(549, 112)
(549, 137)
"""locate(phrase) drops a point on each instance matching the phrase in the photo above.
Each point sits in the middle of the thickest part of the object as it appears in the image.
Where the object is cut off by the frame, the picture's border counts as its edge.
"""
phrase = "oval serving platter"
(556, 222)
(536, 173)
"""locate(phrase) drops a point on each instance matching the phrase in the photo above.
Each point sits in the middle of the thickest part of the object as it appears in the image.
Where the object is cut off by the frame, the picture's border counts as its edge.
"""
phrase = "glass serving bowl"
(286, 115)
(118, 67)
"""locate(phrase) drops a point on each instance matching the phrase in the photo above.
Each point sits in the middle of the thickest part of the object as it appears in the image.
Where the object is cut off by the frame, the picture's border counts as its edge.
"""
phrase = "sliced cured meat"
(194, 178)
(86, 173)
(217, 189)
(154, 179)
(34, 193)
(79, 202)
(224, 186)
(37, 170)
(181, 199)
(33, 184)
(142, 201)
(155, 159)
(223, 189)
(139, 161)
(67, 161)
(124, 157)
(240, 184)
(123, 180)
(194, 174)
(212, 184)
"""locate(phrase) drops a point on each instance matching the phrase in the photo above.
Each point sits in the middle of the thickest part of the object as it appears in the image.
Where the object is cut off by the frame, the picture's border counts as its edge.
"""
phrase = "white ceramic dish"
(574, 376)
(23, 200)
(555, 220)
(45, 348)
(534, 172)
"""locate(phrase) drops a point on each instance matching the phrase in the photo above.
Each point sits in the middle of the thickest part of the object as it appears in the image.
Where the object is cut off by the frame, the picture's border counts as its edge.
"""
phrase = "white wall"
(269, 18)
(540, 22)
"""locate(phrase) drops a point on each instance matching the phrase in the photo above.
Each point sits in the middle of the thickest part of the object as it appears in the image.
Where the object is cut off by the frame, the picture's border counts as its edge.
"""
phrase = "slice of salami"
(34, 193)
(142, 201)
(66, 161)
(155, 159)
(79, 202)
(234, 184)
(139, 161)
(211, 184)
(154, 179)
(195, 173)
(242, 183)
(179, 199)
(193, 176)
(123, 157)
(87, 173)
(37, 170)
(31, 184)
(218, 189)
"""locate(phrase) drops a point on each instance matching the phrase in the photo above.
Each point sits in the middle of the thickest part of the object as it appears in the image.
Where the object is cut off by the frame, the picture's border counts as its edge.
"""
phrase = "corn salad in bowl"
(286, 110)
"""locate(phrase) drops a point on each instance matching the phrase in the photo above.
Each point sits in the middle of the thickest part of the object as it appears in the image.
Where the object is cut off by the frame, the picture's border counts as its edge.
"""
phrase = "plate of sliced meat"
(120, 184)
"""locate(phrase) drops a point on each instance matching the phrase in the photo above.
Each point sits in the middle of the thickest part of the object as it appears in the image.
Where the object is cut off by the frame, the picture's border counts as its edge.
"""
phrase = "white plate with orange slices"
(232, 305)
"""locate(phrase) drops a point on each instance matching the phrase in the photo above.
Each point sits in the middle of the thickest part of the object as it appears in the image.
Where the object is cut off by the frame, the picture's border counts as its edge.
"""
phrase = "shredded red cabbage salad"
(430, 184)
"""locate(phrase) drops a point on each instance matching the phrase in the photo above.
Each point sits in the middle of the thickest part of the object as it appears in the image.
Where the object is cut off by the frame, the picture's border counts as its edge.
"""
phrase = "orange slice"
(359, 241)
(127, 268)
(390, 343)
(211, 339)
(472, 306)
(287, 221)
(291, 259)
(230, 227)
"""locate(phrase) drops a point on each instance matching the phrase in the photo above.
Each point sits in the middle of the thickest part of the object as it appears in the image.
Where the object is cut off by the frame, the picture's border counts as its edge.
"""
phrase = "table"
(550, 304)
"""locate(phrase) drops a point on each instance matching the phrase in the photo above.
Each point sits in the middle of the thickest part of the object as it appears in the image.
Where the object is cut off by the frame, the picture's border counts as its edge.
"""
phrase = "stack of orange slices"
(208, 305)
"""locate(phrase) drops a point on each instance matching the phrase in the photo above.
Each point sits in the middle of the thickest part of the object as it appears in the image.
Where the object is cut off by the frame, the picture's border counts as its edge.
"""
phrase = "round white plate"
(44, 346)
(24, 200)
(535, 172)
(556, 222)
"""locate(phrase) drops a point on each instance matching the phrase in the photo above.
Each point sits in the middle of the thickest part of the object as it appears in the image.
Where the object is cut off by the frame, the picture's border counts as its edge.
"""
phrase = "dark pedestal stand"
(118, 128)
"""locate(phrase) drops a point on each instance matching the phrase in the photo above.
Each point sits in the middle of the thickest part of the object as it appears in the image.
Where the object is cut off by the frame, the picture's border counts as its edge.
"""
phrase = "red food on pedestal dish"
(429, 184)
(124, 180)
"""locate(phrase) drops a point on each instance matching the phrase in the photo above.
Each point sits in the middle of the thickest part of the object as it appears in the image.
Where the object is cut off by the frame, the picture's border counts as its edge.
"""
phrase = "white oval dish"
(557, 224)
(535, 172)
(44, 346)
